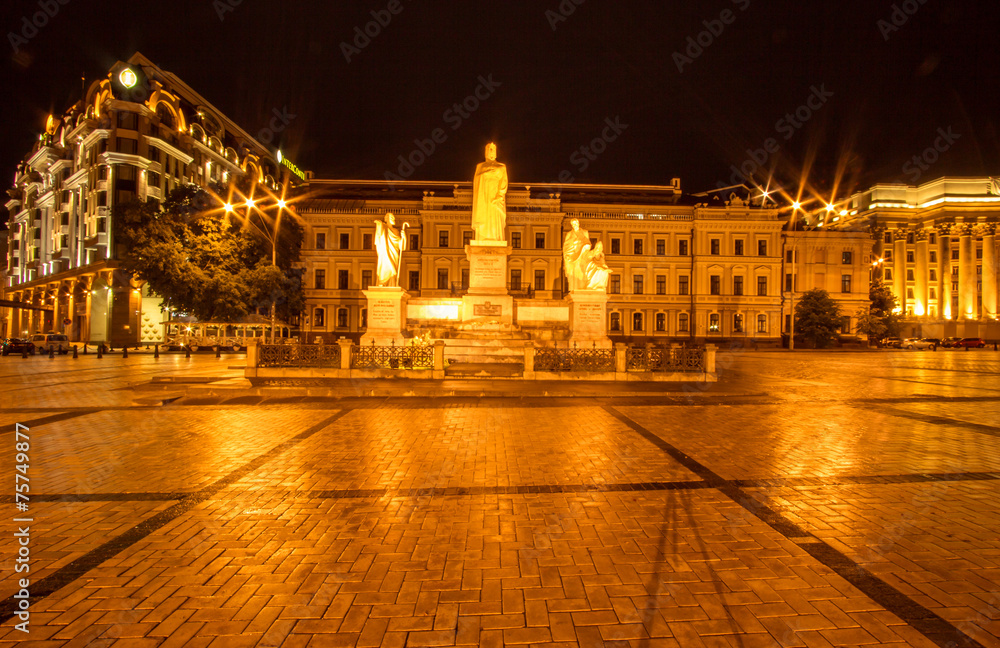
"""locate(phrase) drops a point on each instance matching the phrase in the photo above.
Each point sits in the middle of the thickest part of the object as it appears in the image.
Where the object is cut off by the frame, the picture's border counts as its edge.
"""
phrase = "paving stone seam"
(76, 569)
(918, 617)
(53, 418)
(982, 428)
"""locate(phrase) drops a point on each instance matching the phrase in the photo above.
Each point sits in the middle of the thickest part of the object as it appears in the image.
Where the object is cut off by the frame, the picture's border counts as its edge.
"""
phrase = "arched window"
(616, 321)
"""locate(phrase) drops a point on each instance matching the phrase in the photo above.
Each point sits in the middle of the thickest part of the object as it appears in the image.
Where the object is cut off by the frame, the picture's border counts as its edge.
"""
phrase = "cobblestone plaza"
(807, 499)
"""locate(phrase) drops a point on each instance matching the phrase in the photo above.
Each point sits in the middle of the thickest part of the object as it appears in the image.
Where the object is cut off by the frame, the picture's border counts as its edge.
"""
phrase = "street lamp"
(796, 206)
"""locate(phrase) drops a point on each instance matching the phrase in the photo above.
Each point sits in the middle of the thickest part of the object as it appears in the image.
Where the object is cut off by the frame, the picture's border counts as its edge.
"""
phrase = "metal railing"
(658, 359)
(415, 356)
(574, 360)
(299, 355)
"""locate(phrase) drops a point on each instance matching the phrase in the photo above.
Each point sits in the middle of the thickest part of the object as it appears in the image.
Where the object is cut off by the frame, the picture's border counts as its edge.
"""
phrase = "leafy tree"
(817, 317)
(882, 310)
(205, 263)
(870, 324)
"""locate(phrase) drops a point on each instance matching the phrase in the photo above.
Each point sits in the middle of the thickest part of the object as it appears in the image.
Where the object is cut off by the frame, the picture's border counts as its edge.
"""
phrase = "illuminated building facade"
(140, 132)
(935, 247)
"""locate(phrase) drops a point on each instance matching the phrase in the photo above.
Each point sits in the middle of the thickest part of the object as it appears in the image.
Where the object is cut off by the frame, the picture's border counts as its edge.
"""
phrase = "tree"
(817, 317)
(204, 264)
(882, 310)
(870, 324)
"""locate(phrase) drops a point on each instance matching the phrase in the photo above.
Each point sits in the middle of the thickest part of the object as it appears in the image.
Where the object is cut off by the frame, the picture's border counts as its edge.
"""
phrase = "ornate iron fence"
(574, 360)
(665, 359)
(299, 355)
(419, 356)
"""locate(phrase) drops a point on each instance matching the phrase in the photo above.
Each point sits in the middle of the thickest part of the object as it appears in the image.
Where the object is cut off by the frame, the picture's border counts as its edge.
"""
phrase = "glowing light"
(281, 204)
(250, 202)
(279, 156)
(796, 205)
(830, 208)
(228, 207)
(128, 78)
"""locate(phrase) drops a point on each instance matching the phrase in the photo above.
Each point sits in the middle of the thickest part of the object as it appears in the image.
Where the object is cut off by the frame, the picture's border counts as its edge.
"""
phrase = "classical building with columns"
(935, 247)
(139, 132)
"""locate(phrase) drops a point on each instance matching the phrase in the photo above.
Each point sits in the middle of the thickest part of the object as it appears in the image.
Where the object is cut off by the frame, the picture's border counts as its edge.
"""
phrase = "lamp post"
(791, 288)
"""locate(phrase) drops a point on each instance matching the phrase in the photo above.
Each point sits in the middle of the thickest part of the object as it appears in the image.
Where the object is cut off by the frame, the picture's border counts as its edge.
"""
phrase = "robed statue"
(489, 191)
(389, 244)
(594, 268)
(573, 246)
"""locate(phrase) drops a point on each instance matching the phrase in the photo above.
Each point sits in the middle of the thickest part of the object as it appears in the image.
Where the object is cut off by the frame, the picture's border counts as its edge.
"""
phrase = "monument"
(386, 300)
(487, 303)
(587, 274)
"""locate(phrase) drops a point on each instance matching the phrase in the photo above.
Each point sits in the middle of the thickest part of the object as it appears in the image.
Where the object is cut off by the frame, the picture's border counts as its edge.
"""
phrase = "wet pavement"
(806, 499)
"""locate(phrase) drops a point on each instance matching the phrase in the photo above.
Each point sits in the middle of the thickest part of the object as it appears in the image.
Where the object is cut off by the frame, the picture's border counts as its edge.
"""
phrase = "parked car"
(949, 342)
(56, 342)
(17, 345)
(892, 343)
(933, 341)
(975, 343)
(916, 343)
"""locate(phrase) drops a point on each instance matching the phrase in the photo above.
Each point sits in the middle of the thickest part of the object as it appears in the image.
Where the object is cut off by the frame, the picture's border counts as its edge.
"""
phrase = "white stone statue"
(573, 245)
(595, 271)
(489, 191)
(389, 244)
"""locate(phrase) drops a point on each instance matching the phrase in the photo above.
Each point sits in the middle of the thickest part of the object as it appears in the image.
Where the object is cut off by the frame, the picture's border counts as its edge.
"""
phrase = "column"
(920, 305)
(989, 273)
(966, 276)
(944, 273)
(899, 268)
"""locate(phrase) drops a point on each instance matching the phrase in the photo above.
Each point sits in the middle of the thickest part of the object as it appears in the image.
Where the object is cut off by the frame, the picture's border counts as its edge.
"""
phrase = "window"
(154, 154)
(715, 285)
(637, 246)
(933, 293)
(682, 248)
(442, 278)
(414, 280)
(661, 247)
(762, 323)
(845, 283)
(616, 246)
(788, 283)
(320, 241)
(682, 323)
(443, 238)
(366, 241)
(539, 280)
(887, 255)
(761, 286)
(465, 278)
(909, 256)
(539, 240)
(738, 248)
(713, 323)
(933, 256)
(343, 279)
(715, 246)
(933, 238)
(152, 179)
(345, 241)
(762, 248)
(954, 255)
(661, 322)
(682, 286)
(909, 275)
(847, 258)
(366, 279)
(515, 279)
(737, 285)
(515, 240)
(788, 256)
(341, 318)
(738, 323)
(318, 318)
(364, 318)
(128, 145)
(466, 238)
(909, 293)
(954, 270)
(615, 285)
(661, 284)
(616, 322)
(909, 238)
(637, 284)
(979, 253)
(127, 120)
(414, 241)
(636, 321)
(320, 280)
(888, 274)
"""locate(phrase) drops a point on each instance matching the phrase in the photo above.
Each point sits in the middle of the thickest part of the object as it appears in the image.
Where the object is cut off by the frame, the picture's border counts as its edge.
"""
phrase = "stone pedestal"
(386, 315)
(487, 301)
(588, 319)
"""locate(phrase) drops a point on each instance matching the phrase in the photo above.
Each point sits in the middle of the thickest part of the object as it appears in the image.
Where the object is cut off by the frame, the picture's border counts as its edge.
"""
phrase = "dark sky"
(885, 93)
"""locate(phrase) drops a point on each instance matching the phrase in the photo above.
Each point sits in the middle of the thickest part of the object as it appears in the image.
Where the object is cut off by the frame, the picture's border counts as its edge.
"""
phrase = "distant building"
(140, 132)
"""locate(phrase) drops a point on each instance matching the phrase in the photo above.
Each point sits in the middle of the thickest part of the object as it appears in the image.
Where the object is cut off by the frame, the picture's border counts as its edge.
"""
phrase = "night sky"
(884, 81)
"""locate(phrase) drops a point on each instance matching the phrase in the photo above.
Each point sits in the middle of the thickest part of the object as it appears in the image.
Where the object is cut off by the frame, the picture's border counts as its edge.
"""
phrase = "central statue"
(489, 191)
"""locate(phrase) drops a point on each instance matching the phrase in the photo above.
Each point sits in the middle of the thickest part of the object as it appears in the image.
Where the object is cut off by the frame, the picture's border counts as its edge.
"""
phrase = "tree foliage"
(884, 320)
(210, 266)
(817, 317)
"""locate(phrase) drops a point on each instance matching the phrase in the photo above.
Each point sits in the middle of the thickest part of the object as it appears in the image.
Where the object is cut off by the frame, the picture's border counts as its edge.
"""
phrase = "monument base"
(588, 319)
(386, 315)
(487, 267)
(481, 310)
